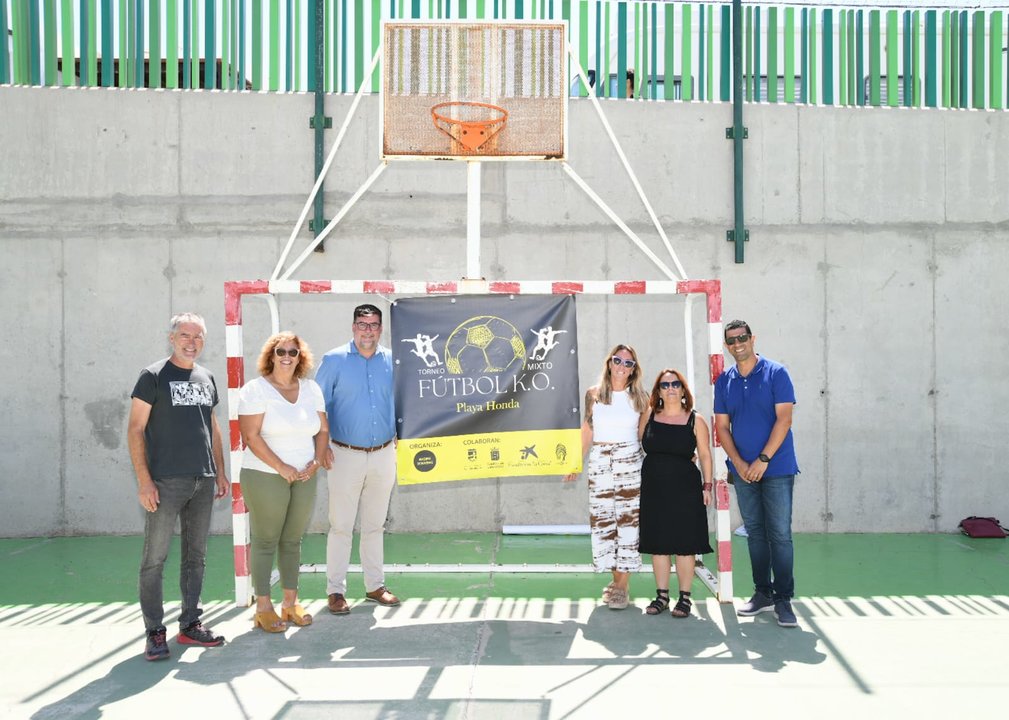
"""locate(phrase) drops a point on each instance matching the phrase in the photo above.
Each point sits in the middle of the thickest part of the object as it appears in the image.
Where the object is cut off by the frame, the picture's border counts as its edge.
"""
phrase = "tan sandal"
(269, 621)
(296, 614)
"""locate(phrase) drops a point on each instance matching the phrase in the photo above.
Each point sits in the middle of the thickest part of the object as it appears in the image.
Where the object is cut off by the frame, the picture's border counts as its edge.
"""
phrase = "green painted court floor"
(915, 625)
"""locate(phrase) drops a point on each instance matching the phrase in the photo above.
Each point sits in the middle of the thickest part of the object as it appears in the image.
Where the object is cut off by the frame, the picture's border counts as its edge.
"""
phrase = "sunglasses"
(281, 352)
(745, 337)
(667, 384)
(620, 361)
(363, 326)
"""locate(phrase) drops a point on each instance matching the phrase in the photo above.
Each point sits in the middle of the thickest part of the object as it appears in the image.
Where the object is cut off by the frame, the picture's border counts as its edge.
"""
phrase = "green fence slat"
(210, 44)
(654, 91)
(274, 57)
(725, 55)
(854, 78)
(194, 45)
(828, 56)
(804, 56)
(329, 57)
(635, 90)
(892, 93)
(358, 43)
(669, 52)
(995, 60)
(257, 44)
(954, 59)
(376, 29)
(621, 50)
(641, 77)
(700, 53)
(583, 42)
(108, 74)
(604, 78)
(140, 54)
(748, 54)
(811, 98)
(916, 58)
(5, 59)
(49, 46)
(598, 89)
(931, 70)
(907, 77)
(123, 70)
(756, 54)
(789, 48)
(172, 45)
(67, 52)
(711, 52)
(842, 58)
(772, 54)
(860, 57)
(35, 42)
(226, 26)
(131, 44)
(962, 61)
(686, 58)
(978, 58)
(874, 58)
(288, 45)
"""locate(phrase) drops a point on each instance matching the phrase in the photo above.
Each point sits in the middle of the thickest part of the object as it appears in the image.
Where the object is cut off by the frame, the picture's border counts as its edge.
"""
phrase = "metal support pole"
(737, 133)
(319, 120)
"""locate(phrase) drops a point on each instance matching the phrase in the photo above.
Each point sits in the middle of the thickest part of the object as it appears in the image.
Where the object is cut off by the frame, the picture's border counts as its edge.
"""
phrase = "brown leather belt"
(362, 449)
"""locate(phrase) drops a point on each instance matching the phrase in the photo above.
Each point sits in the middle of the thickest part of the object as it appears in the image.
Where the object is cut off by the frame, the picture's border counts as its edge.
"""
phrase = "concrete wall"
(879, 242)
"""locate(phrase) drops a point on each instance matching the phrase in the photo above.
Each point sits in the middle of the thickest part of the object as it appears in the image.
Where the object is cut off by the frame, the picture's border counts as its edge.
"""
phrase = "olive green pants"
(278, 516)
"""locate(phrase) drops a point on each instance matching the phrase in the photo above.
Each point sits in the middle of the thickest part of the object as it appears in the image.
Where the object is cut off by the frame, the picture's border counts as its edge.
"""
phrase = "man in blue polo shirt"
(356, 382)
(753, 417)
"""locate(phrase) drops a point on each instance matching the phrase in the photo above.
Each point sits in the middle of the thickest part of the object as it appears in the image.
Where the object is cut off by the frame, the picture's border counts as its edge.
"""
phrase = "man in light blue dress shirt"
(356, 381)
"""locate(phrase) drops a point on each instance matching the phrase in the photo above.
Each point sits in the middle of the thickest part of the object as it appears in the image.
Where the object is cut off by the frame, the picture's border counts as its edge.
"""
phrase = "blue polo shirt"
(358, 394)
(749, 402)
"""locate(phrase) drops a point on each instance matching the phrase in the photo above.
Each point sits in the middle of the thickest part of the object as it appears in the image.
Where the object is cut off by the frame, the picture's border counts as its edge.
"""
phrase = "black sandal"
(682, 607)
(660, 604)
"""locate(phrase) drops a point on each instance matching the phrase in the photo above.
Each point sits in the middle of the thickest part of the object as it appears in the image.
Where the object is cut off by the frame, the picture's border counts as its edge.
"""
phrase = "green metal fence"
(675, 51)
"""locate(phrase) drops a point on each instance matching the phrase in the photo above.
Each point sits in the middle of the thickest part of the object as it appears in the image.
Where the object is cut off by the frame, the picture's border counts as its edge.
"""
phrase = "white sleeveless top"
(616, 422)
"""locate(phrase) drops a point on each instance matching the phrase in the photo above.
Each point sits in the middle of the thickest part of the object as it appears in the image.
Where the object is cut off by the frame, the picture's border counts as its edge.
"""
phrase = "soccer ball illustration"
(484, 344)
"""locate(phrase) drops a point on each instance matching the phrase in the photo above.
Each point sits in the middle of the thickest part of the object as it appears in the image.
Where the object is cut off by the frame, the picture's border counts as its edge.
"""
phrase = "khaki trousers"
(358, 481)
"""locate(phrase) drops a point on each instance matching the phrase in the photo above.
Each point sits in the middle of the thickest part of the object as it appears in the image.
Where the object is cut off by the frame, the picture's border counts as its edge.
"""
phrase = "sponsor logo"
(425, 461)
(529, 451)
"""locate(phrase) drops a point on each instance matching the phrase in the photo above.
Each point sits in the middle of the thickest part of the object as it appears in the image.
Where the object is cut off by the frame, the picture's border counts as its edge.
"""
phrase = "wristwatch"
(763, 458)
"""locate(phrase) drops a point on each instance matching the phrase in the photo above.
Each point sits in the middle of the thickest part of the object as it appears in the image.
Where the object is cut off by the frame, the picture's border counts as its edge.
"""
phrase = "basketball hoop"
(468, 129)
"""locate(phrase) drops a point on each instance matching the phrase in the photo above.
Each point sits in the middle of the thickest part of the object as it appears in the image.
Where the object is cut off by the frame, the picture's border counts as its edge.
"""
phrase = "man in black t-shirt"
(177, 453)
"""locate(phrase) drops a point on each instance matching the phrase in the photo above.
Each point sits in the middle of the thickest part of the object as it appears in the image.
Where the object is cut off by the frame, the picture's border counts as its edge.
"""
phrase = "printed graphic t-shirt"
(178, 433)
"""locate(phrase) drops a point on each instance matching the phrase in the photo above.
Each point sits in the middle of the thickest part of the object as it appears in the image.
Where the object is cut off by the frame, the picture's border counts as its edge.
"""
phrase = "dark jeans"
(191, 500)
(766, 507)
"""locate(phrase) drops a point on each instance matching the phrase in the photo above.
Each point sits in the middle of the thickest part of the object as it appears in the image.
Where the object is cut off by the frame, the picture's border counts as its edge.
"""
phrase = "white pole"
(618, 222)
(688, 340)
(473, 177)
(332, 223)
(325, 168)
(625, 163)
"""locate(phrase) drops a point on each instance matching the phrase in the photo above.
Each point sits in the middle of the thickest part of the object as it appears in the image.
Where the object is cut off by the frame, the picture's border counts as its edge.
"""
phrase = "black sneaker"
(783, 612)
(157, 646)
(757, 604)
(196, 634)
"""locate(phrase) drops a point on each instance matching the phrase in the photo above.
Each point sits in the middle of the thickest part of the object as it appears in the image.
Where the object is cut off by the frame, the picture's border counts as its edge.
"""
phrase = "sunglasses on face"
(745, 337)
(620, 361)
(667, 384)
(281, 352)
(363, 326)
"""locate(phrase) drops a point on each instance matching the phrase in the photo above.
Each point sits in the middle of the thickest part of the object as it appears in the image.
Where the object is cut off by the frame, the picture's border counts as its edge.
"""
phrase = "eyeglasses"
(620, 361)
(363, 326)
(281, 352)
(745, 337)
(667, 384)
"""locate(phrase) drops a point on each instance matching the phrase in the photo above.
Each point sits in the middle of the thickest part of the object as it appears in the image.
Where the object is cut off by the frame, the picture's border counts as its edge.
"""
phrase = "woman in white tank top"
(613, 410)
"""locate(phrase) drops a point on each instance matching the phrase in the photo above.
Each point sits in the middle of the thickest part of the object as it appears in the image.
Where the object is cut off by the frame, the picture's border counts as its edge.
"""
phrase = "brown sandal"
(296, 615)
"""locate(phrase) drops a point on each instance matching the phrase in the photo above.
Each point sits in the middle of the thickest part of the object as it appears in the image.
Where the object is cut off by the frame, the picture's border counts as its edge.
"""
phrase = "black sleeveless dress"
(673, 518)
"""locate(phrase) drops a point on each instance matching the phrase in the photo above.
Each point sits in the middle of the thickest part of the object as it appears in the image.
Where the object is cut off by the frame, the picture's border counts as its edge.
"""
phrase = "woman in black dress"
(674, 520)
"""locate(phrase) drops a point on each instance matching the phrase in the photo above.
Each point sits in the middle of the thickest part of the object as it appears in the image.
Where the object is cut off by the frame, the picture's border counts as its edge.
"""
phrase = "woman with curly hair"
(282, 417)
(674, 494)
(613, 410)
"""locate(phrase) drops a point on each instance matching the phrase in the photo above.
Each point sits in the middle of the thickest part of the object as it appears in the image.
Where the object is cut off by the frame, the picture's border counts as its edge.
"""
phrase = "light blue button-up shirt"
(359, 396)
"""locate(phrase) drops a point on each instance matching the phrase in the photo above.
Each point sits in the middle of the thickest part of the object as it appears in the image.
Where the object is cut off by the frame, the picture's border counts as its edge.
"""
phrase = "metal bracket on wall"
(327, 122)
(315, 231)
(730, 133)
(730, 235)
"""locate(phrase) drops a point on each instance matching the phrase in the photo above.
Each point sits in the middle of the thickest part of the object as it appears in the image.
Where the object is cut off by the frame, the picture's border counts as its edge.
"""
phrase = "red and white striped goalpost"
(721, 584)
